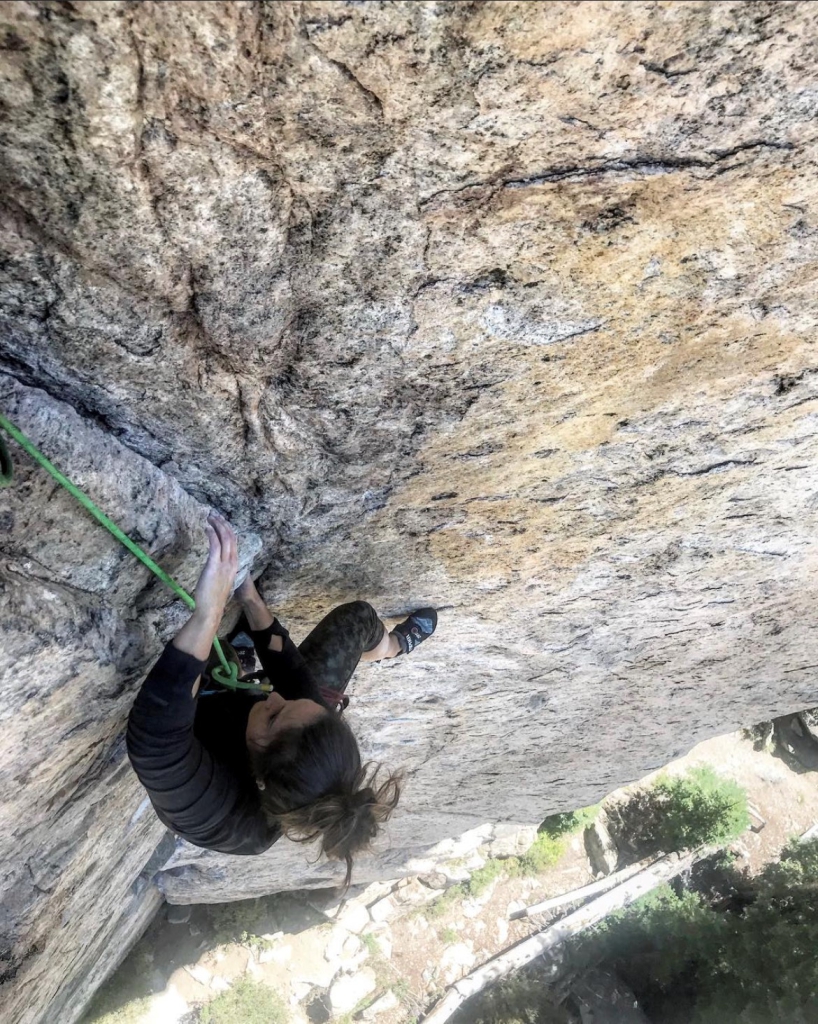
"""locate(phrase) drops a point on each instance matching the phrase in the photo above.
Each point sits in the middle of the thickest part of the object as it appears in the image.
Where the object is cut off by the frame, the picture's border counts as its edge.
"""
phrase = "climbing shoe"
(414, 630)
(244, 648)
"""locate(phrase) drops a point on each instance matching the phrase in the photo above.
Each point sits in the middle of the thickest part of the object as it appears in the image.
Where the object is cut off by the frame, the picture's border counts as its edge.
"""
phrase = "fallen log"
(554, 902)
(554, 935)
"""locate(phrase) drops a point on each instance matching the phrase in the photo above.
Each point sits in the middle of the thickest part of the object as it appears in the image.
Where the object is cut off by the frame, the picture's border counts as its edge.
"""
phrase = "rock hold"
(510, 841)
(335, 946)
(415, 898)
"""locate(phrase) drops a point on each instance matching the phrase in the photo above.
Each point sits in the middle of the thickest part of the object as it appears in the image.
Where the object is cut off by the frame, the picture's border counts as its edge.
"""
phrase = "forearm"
(258, 614)
(197, 635)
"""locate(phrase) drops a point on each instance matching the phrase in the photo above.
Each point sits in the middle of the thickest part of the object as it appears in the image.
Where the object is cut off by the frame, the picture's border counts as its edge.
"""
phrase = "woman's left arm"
(280, 659)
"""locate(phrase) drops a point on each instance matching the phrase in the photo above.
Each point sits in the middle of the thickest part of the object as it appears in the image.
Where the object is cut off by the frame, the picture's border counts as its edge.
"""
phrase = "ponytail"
(315, 788)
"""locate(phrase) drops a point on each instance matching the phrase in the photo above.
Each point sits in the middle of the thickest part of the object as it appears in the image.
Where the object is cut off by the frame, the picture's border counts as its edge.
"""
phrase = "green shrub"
(248, 1002)
(521, 999)
(570, 821)
(552, 838)
(743, 955)
(445, 901)
(663, 931)
(793, 876)
(544, 853)
(482, 878)
(700, 807)
(680, 813)
(749, 967)
(479, 881)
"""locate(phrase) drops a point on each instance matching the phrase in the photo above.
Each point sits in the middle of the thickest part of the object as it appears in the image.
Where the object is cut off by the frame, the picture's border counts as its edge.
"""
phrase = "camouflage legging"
(325, 660)
(334, 648)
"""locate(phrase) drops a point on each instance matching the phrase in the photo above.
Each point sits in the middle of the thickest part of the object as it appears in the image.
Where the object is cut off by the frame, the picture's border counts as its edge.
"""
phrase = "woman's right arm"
(192, 792)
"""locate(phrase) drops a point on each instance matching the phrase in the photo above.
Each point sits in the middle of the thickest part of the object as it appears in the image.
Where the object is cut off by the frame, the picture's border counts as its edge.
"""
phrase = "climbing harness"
(226, 673)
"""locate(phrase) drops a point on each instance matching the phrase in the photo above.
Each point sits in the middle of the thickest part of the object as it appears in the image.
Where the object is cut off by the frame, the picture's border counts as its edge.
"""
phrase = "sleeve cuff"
(261, 637)
(173, 674)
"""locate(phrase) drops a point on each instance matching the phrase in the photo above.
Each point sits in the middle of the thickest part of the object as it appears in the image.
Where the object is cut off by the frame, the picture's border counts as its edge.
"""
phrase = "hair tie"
(334, 698)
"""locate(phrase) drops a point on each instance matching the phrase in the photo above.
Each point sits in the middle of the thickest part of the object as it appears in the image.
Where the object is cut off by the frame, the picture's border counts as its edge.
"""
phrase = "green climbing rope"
(227, 672)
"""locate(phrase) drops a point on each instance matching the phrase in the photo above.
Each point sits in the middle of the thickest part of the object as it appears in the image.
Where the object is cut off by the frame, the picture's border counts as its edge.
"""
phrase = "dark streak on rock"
(665, 72)
(645, 165)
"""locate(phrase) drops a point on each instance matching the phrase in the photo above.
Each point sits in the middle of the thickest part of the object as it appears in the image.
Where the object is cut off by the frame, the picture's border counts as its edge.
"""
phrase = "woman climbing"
(234, 771)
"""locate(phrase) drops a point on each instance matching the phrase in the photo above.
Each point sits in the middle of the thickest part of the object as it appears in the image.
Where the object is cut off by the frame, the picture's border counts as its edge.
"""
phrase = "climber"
(234, 771)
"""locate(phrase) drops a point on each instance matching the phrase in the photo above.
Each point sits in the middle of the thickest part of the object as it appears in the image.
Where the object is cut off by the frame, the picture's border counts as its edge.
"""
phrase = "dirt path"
(401, 940)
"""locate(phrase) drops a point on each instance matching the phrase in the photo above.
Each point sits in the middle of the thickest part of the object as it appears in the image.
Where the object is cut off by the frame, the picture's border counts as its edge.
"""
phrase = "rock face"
(504, 307)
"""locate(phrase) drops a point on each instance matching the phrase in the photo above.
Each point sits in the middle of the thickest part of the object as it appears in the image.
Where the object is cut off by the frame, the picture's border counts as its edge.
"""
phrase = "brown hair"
(315, 787)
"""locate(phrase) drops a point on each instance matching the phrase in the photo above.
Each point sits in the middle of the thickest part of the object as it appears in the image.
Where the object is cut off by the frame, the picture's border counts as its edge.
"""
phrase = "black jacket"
(190, 752)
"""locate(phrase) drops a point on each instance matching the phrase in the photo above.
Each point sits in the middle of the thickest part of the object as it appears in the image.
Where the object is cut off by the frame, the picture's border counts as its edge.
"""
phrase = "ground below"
(388, 952)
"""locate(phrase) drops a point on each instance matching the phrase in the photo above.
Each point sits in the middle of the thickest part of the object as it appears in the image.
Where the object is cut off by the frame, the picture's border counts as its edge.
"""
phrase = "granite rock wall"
(505, 307)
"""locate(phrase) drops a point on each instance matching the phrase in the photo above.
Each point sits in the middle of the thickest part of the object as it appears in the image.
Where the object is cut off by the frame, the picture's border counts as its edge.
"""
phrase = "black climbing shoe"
(239, 637)
(243, 646)
(414, 630)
